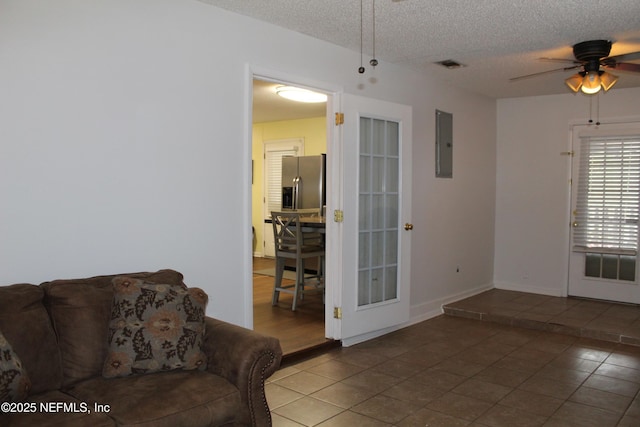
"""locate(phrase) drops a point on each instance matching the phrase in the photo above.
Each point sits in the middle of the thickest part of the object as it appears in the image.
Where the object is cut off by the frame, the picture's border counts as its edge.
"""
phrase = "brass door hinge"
(338, 216)
(337, 312)
(339, 119)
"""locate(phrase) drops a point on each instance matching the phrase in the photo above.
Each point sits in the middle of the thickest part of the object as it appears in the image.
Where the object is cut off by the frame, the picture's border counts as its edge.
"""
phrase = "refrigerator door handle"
(296, 191)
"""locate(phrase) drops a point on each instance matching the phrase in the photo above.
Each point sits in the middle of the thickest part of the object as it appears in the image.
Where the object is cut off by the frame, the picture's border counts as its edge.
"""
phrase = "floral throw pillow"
(14, 381)
(154, 327)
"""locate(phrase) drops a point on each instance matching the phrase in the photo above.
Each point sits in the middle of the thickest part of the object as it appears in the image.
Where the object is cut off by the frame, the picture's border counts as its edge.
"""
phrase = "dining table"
(313, 223)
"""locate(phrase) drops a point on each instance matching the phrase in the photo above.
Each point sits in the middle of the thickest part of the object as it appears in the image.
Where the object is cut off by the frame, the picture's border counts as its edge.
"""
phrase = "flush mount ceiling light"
(300, 95)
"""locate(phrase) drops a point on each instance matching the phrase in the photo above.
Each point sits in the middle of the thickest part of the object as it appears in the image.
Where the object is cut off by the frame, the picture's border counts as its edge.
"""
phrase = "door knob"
(408, 226)
(575, 223)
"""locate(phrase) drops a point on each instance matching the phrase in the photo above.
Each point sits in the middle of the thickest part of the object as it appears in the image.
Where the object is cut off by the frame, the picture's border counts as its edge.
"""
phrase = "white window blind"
(274, 152)
(274, 179)
(608, 198)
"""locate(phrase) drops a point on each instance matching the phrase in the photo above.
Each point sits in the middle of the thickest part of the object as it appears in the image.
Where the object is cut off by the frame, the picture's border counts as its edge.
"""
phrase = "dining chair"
(291, 242)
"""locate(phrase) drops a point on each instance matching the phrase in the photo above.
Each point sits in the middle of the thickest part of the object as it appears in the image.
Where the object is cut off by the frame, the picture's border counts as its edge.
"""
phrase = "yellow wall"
(313, 131)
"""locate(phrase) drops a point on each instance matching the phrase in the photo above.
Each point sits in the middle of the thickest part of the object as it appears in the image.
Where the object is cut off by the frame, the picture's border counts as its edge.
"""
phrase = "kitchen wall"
(124, 146)
(314, 133)
(533, 192)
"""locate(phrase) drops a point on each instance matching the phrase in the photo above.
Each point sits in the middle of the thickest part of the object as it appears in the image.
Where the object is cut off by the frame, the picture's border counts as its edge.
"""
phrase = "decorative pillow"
(154, 327)
(14, 381)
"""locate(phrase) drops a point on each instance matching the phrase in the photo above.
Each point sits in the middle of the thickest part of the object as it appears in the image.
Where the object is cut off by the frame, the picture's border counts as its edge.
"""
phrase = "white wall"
(532, 209)
(123, 147)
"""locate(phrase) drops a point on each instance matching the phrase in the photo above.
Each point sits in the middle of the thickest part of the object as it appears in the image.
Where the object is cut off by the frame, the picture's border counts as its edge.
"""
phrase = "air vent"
(450, 64)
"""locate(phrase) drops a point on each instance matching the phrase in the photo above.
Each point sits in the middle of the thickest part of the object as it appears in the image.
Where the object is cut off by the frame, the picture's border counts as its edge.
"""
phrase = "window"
(607, 209)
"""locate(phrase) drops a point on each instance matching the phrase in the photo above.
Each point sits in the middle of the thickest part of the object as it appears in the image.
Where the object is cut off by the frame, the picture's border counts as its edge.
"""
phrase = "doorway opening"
(282, 128)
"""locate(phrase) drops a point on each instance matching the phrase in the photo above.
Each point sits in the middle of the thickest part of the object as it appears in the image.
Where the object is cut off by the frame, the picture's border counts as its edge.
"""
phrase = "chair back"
(286, 230)
(288, 234)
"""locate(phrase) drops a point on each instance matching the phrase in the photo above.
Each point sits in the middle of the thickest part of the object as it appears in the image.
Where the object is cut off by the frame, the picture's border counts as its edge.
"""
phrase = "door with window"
(603, 262)
(377, 207)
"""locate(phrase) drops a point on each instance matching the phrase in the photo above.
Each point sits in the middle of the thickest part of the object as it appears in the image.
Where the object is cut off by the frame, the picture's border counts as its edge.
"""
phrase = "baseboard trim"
(541, 290)
(431, 309)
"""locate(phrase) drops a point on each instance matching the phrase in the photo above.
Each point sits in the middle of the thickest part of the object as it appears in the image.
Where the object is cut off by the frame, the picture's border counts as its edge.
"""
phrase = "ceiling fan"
(592, 57)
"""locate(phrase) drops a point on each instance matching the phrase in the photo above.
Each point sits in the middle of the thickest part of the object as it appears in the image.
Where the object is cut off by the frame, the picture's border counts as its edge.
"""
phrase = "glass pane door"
(375, 245)
(379, 158)
(604, 214)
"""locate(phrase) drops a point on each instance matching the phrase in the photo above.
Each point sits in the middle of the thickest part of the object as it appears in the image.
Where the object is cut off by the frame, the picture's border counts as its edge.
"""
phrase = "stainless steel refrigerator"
(304, 183)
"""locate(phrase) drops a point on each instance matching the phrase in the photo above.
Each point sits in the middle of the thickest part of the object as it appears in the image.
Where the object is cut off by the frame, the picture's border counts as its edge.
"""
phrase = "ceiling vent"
(450, 64)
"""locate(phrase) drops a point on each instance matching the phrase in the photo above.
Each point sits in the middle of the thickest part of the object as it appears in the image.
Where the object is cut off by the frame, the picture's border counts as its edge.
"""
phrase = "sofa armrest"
(246, 359)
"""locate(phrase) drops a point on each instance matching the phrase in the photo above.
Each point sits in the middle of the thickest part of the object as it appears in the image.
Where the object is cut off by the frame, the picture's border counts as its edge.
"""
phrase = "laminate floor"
(298, 331)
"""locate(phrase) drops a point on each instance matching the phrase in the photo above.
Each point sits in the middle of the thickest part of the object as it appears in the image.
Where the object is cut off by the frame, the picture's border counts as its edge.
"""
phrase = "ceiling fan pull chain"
(361, 69)
(374, 61)
(597, 98)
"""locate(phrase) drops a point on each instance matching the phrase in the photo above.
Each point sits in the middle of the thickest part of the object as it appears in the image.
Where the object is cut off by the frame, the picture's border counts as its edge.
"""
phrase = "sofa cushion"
(14, 381)
(171, 399)
(80, 311)
(75, 413)
(24, 322)
(154, 327)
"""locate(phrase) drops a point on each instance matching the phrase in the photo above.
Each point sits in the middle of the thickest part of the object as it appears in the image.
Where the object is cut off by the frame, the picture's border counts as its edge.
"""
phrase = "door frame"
(333, 260)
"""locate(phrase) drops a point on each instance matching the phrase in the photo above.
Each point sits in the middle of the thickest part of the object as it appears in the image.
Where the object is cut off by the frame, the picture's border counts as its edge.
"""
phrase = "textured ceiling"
(495, 39)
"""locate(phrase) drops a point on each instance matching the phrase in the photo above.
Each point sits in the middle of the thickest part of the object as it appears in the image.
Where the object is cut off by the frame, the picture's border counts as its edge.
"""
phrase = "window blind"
(274, 179)
(274, 151)
(608, 198)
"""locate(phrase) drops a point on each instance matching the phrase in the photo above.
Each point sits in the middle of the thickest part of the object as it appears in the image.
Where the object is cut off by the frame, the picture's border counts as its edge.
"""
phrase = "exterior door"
(605, 202)
(377, 207)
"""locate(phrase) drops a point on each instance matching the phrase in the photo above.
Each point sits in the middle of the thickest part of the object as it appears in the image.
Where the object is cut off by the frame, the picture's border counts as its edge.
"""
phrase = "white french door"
(377, 206)
(605, 203)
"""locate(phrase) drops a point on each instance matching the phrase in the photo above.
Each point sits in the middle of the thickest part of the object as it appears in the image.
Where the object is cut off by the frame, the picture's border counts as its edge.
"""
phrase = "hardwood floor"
(298, 331)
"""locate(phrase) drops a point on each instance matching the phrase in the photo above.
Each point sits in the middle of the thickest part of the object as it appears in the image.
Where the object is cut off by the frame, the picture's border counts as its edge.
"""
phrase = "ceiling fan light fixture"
(607, 80)
(574, 82)
(591, 83)
(300, 95)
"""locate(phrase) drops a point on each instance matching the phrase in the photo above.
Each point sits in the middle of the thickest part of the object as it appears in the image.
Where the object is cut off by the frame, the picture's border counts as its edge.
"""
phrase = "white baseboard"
(541, 290)
(431, 309)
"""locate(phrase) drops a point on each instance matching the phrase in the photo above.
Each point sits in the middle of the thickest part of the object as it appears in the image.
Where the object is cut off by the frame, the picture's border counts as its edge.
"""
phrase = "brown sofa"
(59, 331)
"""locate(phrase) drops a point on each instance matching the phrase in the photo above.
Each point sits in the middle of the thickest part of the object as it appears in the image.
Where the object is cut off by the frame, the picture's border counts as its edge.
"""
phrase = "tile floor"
(573, 316)
(454, 371)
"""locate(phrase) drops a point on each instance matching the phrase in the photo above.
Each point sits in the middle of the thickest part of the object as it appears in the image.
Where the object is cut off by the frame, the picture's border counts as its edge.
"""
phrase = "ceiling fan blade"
(544, 72)
(625, 57)
(559, 60)
(626, 66)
